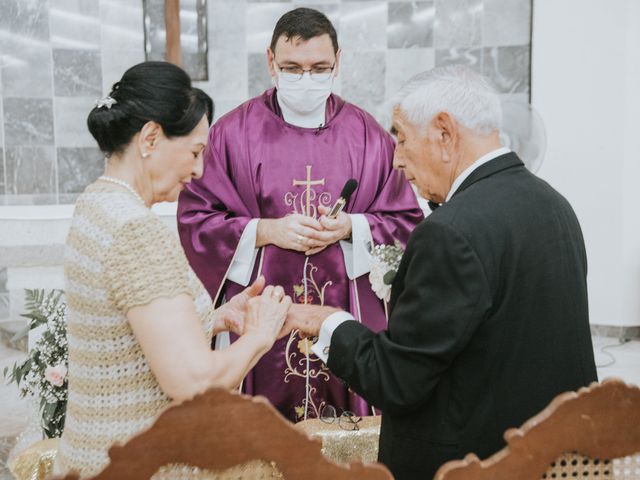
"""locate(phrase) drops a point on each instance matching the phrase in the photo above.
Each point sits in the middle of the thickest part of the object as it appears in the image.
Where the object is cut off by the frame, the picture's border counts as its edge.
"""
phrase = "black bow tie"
(432, 205)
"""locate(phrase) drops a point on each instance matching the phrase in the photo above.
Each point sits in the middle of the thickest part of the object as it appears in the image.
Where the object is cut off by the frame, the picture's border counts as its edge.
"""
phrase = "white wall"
(32, 246)
(586, 86)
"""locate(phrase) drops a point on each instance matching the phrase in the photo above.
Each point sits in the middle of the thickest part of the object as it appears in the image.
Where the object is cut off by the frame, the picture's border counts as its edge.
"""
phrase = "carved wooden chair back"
(593, 434)
(225, 435)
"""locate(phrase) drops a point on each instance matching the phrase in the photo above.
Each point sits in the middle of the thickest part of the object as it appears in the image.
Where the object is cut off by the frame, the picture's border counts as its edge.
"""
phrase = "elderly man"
(489, 315)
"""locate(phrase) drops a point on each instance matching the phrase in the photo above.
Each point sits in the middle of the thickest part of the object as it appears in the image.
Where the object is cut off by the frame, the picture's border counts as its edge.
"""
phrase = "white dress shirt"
(469, 170)
(333, 321)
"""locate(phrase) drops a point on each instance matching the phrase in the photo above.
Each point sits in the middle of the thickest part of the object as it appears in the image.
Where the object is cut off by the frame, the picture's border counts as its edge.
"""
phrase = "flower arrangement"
(385, 260)
(43, 374)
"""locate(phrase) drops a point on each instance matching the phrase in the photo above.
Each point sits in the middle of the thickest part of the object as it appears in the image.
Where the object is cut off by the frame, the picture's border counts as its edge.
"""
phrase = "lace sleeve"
(145, 262)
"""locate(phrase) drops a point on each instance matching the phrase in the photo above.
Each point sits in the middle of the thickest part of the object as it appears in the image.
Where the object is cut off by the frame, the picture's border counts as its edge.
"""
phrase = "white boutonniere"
(385, 260)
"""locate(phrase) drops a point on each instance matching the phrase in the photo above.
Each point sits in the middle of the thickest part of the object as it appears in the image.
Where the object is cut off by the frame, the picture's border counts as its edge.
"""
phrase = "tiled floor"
(14, 410)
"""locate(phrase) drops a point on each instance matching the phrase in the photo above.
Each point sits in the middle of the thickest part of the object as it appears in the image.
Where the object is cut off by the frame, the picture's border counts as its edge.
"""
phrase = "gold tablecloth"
(341, 446)
(36, 462)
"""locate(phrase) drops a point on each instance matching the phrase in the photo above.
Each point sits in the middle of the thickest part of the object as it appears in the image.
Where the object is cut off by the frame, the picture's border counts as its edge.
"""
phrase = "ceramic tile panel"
(72, 51)
(410, 24)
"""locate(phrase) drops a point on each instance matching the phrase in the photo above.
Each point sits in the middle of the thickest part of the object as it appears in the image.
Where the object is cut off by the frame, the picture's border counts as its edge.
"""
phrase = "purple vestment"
(259, 166)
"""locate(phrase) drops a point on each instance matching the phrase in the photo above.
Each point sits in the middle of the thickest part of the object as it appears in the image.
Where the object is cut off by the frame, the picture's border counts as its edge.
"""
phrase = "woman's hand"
(231, 315)
(266, 315)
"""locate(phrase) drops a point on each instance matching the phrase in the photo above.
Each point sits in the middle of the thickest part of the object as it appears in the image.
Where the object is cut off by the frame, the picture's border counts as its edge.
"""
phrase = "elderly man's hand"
(307, 319)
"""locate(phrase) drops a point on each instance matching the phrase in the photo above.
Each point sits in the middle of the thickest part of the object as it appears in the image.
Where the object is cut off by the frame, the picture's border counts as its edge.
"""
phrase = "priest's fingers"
(322, 210)
(330, 223)
(297, 242)
(341, 222)
(326, 237)
(308, 222)
(313, 243)
(307, 232)
(314, 251)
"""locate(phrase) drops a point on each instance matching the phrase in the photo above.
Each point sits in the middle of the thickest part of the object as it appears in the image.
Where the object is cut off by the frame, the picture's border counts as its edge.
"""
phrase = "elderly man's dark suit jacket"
(489, 322)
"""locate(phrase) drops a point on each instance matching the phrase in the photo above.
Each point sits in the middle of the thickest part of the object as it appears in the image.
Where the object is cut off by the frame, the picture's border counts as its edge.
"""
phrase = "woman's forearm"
(232, 364)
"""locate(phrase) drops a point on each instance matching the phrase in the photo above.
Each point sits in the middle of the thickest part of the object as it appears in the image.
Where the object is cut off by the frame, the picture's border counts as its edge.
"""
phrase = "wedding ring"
(301, 239)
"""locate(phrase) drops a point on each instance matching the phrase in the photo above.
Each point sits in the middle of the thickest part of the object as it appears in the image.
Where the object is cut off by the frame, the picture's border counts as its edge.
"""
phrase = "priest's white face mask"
(304, 93)
(304, 71)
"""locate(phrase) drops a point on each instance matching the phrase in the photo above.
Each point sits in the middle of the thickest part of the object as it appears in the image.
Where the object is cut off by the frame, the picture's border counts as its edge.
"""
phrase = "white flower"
(376, 278)
(384, 260)
(55, 375)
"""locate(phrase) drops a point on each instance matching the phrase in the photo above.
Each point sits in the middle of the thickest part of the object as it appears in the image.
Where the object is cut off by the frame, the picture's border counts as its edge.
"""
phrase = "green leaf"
(48, 411)
(389, 277)
(4, 371)
(26, 367)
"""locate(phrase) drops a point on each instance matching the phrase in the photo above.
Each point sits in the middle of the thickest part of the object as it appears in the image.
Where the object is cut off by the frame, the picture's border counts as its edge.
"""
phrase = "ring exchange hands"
(266, 314)
(230, 316)
(307, 319)
(302, 233)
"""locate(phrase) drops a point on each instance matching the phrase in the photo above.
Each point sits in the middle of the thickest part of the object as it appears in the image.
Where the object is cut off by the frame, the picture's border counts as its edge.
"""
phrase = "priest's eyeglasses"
(295, 73)
(346, 421)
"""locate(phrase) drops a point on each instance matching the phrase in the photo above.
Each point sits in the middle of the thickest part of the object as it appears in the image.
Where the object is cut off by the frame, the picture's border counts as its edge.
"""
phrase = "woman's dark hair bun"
(150, 91)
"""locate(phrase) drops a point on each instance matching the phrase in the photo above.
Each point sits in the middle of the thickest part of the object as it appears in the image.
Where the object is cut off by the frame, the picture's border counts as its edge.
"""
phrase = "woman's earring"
(145, 155)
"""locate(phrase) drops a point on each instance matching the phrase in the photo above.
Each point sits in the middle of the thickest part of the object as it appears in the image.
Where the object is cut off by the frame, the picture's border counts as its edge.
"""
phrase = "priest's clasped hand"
(293, 232)
(302, 233)
(333, 230)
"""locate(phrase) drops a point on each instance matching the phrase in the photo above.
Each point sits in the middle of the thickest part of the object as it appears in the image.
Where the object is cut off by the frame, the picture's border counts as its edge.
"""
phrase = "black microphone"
(347, 190)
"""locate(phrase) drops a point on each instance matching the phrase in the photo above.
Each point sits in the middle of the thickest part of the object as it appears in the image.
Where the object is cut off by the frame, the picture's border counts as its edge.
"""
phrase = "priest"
(274, 167)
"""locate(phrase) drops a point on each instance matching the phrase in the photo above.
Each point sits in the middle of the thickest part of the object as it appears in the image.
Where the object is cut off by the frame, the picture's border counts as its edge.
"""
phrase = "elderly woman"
(139, 321)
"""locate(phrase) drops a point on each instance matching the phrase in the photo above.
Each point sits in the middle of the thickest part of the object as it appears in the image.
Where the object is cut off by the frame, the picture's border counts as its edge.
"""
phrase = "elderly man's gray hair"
(455, 89)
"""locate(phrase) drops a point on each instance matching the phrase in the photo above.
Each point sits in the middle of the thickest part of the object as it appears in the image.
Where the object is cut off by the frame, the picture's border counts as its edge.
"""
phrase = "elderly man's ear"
(447, 133)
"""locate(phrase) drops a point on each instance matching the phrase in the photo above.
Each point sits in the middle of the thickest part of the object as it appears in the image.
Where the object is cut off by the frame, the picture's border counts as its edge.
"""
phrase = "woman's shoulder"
(112, 207)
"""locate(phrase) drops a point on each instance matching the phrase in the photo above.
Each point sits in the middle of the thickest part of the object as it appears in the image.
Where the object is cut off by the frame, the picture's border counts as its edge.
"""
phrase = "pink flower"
(55, 375)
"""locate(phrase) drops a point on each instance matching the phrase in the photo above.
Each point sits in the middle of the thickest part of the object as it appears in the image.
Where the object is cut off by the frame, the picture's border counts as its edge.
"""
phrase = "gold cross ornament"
(308, 183)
